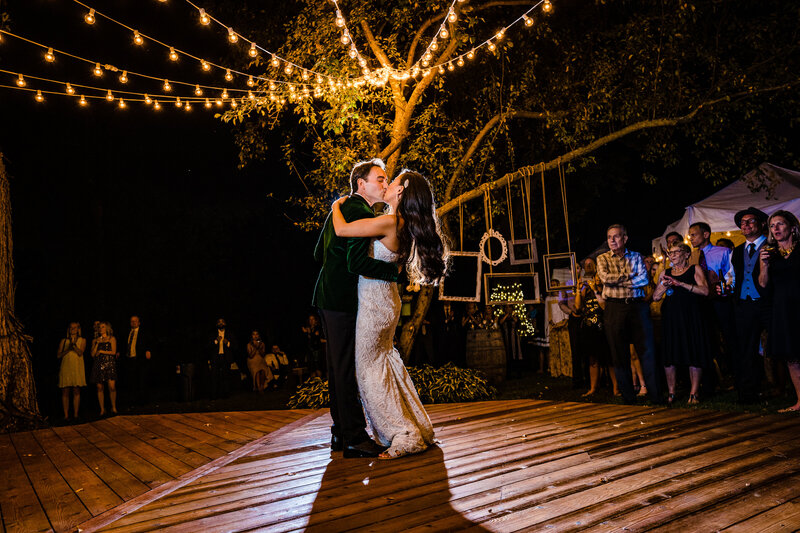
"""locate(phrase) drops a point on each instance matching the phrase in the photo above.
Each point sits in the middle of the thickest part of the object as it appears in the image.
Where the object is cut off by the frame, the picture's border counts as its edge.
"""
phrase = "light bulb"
(122, 104)
(198, 91)
(441, 69)
(250, 95)
(178, 102)
(352, 53)
(492, 47)
(253, 52)
(137, 39)
(147, 99)
(345, 38)
(89, 18)
(304, 75)
(205, 65)
(450, 66)
(547, 7)
(69, 89)
(274, 61)
(434, 45)
(228, 75)
(83, 101)
(428, 56)
(233, 103)
(204, 20)
(208, 103)
(500, 34)
(250, 81)
(339, 19)
(21, 81)
(319, 78)
(451, 16)
(362, 62)
(187, 107)
(110, 96)
(528, 20)
(425, 62)
(39, 97)
(225, 94)
(98, 70)
(218, 101)
(460, 62)
(123, 78)
(444, 34)
(49, 56)
(173, 55)
(288, 68)
(470, 54)
(156, 105)
(272, 86)
(232, 37)
(167, 86)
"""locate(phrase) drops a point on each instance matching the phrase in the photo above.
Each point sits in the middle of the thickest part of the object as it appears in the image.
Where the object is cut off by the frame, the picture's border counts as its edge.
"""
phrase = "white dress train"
(391, 404)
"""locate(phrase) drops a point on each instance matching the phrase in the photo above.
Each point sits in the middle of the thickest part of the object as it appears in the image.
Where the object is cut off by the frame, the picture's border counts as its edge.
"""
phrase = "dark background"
(120, 212)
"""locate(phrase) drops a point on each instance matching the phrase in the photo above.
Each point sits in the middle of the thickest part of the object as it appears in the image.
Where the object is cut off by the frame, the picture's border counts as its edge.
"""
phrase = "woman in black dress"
(780, 273)
(685, 335)
(592, 346)
(104, 368)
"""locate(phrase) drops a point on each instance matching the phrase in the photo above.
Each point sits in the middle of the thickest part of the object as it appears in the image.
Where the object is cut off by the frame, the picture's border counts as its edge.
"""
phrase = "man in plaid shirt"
(626, 318)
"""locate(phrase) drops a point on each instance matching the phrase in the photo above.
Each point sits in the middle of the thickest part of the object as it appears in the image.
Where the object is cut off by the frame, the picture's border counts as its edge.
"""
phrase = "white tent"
(719, 209)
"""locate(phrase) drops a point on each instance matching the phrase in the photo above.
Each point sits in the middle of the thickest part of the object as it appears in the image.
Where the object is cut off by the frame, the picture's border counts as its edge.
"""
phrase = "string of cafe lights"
(347, 39)
(234, 37)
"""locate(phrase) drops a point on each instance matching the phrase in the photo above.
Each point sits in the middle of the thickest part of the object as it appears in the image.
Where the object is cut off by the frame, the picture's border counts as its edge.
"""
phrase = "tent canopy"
(719, 209)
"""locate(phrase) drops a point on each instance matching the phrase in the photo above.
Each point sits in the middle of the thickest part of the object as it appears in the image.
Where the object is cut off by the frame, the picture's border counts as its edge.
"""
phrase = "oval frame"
(492, 233)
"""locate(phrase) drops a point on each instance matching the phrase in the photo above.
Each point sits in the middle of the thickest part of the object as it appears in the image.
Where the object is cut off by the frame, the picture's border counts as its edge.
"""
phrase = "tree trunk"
(409, 330)
(18, 406)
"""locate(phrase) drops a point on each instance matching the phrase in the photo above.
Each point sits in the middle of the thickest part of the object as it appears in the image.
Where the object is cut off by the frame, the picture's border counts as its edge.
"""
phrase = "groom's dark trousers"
(336, 297)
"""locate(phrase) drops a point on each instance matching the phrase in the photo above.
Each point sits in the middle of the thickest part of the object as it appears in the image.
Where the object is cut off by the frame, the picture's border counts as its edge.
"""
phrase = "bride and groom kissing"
(357, 296)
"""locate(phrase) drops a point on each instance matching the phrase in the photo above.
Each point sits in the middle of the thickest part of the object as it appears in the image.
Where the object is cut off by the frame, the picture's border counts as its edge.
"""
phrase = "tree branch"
(383, 59)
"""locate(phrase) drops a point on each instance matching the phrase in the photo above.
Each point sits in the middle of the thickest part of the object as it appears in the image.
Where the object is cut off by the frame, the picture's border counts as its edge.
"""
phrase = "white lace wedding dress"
(391, 403)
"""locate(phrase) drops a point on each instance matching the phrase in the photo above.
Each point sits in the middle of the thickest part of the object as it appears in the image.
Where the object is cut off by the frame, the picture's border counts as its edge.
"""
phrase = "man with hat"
(751, 307)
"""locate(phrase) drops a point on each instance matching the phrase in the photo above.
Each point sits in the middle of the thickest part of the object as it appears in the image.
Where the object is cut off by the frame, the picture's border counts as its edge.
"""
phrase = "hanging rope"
(461, 224)
(487, 209)
(544, 203)
(510, 211)
(563, 182)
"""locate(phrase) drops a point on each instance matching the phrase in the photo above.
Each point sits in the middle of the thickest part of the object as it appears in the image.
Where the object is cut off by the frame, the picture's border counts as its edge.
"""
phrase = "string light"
(547, 7)
(70, 90)
(110, 96)
(83, 101)
(137, 38)
(451, 15)
(39, 97)
(178, 102)
(233, 103)
(339, 19)
(89, 17)
(460, 62)
(218, 101)
(205, 65)
(198, 91)
(288, 69)
(250, 95)
(147, 99)
(345, 38)
(471, 54)
(204, 20)
(250, 81)
(156, 105)
(21, 81)
(49, 56)
(98, 70)
(253, 52)
(228, 75)
(208, 103)
(528, 20)
(232, 37)
(173, 55)
(122, 104)
(225, 94)
(187, 107)
(123, 78)
(167, 86)
(492, 47)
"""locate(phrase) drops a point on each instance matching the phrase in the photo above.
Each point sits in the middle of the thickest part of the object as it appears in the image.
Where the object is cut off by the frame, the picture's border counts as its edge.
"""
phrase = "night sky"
(119, 212)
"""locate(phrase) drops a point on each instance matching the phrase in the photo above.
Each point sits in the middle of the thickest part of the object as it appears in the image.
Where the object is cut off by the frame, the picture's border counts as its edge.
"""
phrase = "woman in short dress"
(72, 373)
(104, 368)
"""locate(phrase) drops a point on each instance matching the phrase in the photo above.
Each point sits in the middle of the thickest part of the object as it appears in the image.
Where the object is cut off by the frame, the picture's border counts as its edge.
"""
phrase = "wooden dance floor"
(500, 466)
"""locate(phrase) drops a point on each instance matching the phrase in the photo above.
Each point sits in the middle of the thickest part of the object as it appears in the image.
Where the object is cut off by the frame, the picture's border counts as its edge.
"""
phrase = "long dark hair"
(421, 245)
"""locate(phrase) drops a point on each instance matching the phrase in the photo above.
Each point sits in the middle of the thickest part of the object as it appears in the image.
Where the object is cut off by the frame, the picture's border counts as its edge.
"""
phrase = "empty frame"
(512, 287)
(463, 280)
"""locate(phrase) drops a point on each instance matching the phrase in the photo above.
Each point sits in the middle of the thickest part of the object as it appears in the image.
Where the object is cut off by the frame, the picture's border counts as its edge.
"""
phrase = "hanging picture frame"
(493, 234)
(462, 283)
(559, 270)
(523, 252)
(511, 288)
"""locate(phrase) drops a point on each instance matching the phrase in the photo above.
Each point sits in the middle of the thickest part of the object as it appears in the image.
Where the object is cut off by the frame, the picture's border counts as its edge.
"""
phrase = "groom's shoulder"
(356, 207)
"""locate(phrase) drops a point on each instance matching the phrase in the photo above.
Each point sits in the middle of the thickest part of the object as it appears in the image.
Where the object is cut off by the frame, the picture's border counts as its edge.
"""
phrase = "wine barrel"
(487, 353)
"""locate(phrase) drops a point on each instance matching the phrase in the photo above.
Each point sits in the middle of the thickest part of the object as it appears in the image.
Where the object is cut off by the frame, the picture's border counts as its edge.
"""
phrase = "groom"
(343, 260)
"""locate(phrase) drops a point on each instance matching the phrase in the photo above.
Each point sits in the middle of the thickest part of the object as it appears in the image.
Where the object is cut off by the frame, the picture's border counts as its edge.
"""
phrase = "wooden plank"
(82, 480)
(130, 506)
(179, 452)
(122, 482)
(137, 465)
(21, 509)
(158, 427)
(201, 435)
(62, 507)
(784, 517)
(226, 422)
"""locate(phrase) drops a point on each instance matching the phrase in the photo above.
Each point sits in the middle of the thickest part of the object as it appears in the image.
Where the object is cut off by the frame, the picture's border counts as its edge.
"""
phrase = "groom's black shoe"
(336, 443)
(368, 448)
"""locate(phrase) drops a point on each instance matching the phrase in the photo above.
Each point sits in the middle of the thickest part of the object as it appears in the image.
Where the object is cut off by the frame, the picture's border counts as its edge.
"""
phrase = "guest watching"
(260, 372)
(135, 364)
(220, 359)
(315, 344)
(279, 363)
(780, 273)
(627, 314)
(591, 341)
(685, 332)
(104, 368)
(72, 374)
(751, 304)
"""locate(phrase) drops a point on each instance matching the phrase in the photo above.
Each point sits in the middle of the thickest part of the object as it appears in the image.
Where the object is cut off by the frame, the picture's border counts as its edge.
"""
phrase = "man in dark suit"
(220, 359)
(751, 307)
(135, 362)
(336, 297)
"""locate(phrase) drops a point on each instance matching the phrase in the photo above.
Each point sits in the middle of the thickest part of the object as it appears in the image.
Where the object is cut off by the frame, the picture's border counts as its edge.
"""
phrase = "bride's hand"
(339, 201)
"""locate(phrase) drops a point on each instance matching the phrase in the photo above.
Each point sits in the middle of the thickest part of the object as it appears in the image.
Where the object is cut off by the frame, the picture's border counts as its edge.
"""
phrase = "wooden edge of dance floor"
(140, 501)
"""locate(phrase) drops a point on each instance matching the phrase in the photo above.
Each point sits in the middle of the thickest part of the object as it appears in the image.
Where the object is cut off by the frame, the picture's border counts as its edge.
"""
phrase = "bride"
(410, 236)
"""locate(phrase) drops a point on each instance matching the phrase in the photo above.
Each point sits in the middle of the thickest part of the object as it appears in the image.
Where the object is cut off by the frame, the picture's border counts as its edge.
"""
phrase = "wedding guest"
(220, 359)
(490, 321)
(780, 275)
(686, 338)
(260, 372)
(135, 373)
(591, 340)
(472, 318)
(278, 362)
(509, 324)
(104, 367)
(72, 374)
(315, 344)
(725, 243)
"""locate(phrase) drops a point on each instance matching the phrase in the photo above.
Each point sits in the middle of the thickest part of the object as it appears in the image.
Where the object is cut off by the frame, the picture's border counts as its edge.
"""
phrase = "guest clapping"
(72, 374)
(686, 340)
(104, 368)
(780, 273)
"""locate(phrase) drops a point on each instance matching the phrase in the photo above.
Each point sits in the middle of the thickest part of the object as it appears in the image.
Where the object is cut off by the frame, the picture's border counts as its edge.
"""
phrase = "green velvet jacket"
(344, 259)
